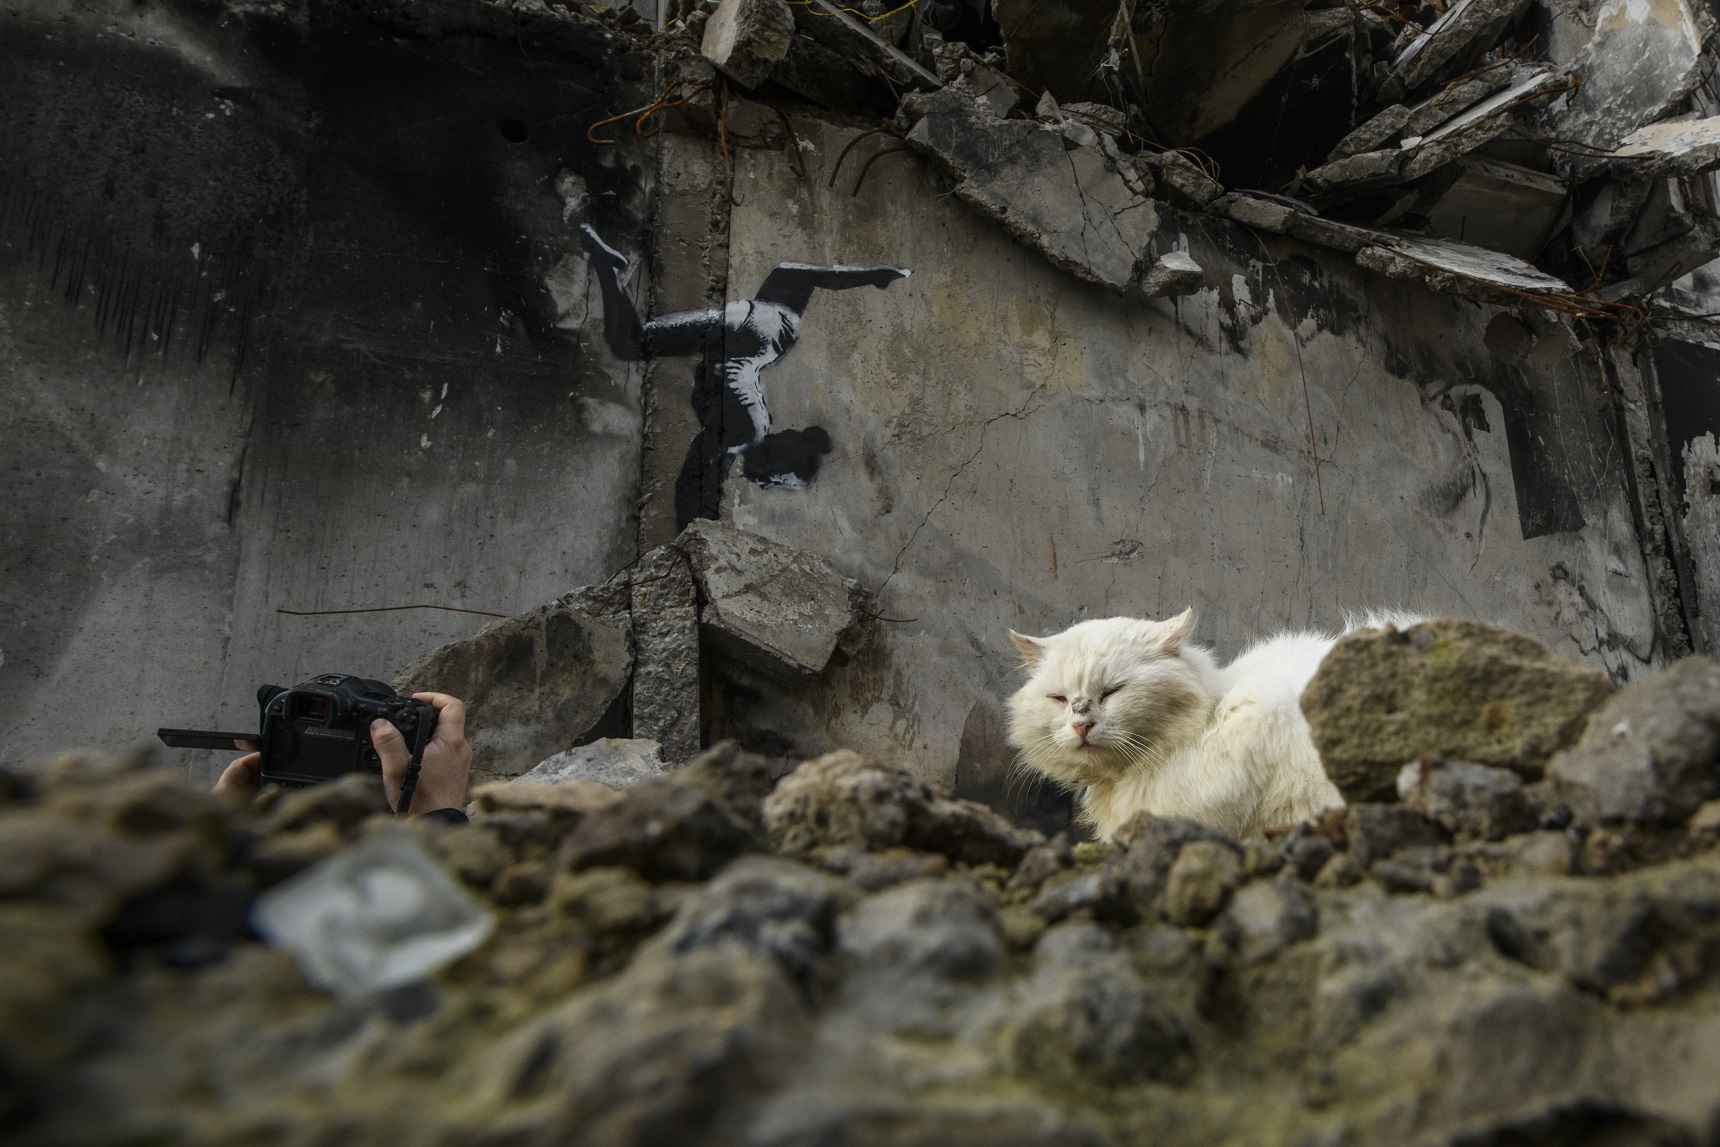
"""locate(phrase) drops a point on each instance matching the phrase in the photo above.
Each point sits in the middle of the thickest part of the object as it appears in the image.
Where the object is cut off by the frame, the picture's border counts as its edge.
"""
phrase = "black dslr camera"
(320, 729)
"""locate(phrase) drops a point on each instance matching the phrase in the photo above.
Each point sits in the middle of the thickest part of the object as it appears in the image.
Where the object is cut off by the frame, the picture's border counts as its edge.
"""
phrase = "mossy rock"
(1451, 689)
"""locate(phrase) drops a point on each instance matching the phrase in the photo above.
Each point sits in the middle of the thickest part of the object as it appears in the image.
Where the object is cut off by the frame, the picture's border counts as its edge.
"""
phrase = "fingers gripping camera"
(320, 729)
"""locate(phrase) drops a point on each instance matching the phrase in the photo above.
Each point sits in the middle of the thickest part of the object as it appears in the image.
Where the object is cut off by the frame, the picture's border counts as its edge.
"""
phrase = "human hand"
(447, 758)
(243, 775)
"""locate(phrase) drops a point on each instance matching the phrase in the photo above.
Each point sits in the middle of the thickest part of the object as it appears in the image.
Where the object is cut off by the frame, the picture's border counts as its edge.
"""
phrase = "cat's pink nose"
(1081, 728)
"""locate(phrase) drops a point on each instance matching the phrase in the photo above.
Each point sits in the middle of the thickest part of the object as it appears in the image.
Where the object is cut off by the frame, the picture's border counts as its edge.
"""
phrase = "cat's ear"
(1174, 632)
(1031, 650)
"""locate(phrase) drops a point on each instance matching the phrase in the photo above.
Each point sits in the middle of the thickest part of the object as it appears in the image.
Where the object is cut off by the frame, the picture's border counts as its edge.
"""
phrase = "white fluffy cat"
(1137, 718)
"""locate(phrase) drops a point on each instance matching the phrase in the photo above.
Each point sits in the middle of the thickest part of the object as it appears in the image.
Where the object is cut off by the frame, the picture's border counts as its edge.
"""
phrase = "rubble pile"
(1519, 949)
(1550, 152)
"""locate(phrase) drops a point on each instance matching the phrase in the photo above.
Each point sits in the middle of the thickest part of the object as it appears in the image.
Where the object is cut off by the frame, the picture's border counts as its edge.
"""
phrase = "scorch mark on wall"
(739, 341)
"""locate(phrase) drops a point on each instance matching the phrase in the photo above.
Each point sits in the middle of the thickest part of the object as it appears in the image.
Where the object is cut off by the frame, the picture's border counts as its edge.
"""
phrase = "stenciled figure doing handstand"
(738, 341)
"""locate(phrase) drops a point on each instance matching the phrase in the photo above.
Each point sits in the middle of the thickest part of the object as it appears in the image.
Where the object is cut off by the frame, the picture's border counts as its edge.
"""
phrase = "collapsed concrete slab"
(1679, 147)
(1072, 203)
(1460, 269)
(533, 684)
(831, 25)
(745, 39)
(1641, 61)
(779, 610)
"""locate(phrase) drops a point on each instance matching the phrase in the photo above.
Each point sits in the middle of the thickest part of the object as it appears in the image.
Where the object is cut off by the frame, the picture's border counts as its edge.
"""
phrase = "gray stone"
(776, 609)
(1377, 831)
(768, 906)
(987, 85)
(916, 949)
(1171, 274)
(844, 799)
(1267, 916)
(614, 761)
(1204, 875)
(1499, 206)
(1151, 847)
(532, 684)
(1649, 755)
(1087, 1013)
(1676, 147)
(1452, 689)
(666, 638)
(746, 38)
(1470, 801)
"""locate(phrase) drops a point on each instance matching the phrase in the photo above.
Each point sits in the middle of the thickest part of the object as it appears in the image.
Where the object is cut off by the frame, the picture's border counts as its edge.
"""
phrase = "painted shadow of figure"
(737, 342)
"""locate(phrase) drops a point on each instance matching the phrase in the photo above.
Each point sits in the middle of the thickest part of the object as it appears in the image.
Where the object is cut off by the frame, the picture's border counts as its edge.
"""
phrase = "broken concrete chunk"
(1268, 916)
(1071, 204)
(1471, 801)
(1099, 117)
(746, 38)
(1640, 63)
(1452, 689)
(1378, 831)
(1366, 169)
(1188, 185)
(1454, 98)
(844, 799)
(1173, 273)
(1450, 43)
(987, 85)
(1681, 147)
(776, 609)
(1481, 123)
(666, 637)
(1202, 878)
(831, 25)
(1650, 754)
(1499, 206)
(614, 761)
(532, 684)
(1384, 126)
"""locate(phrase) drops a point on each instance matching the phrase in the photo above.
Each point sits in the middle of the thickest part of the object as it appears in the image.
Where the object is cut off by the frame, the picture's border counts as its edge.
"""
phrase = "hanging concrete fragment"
(776, 609)
(1459, 268)
(1467, 28)
(746, 38)
(379, 915)
(533, 684)
(1500, 206)
(1640, 62)
(1175, 273)
(1070, 202)
(1680, 147)
(831, 25)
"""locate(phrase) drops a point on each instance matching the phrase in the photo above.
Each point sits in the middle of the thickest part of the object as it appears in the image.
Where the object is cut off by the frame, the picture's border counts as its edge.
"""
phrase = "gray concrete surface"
(291, 321)
(1014, 449)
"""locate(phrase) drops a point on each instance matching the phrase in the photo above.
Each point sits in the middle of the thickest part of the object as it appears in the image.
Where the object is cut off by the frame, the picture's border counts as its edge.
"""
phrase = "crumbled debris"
(705, 959)
(533, 684)
(1649, 753)
(745, 39)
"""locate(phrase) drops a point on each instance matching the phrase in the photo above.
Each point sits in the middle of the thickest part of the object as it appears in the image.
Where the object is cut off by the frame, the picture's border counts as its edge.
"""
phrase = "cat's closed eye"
(1109, 691)
(1060, 699)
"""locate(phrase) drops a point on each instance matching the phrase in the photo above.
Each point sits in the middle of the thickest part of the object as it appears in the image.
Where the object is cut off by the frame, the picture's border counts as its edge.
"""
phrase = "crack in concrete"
(1021, 411)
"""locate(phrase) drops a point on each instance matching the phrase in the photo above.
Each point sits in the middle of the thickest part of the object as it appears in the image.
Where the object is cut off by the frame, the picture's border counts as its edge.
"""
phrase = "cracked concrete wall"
(1015, 449)
(292, 316)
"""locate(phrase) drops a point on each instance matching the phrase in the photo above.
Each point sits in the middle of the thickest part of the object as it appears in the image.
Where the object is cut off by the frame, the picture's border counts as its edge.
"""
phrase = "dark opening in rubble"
(1688, 396)
(514, 130)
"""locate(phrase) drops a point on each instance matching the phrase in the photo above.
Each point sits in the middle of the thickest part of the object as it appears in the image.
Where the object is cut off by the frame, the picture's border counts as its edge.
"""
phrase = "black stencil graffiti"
(737, 342)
